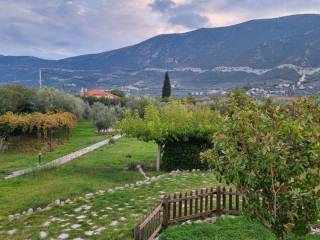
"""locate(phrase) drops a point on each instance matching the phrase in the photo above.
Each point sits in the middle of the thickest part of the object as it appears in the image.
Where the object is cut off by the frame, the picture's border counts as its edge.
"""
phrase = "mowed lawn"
(81, 136)
(103, 168)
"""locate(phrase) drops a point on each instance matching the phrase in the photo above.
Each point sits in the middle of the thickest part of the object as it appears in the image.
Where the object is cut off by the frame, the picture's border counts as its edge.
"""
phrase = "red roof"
(99, 93)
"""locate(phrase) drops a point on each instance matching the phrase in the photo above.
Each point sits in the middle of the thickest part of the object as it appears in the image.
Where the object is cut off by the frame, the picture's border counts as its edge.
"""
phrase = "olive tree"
(104, 116)
(271, 153)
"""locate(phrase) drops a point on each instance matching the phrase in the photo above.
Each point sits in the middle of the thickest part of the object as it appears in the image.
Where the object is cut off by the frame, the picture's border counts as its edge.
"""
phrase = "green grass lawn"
(102, 168)
(123, 207)
(81, 136)
(238, 228)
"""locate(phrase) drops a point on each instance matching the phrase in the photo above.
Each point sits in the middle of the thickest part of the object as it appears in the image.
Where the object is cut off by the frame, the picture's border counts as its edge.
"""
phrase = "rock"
(76, 226)
(78, 238)
(78, 209)
(11, 217)
(43, 234)
(114, 223)
(81, 217)
(30, 211)
(63, 236)
(88, 233)
(46, 224)
(94, 214)
(57, 202)
(89, 195)
(123, 219)
(11, 232)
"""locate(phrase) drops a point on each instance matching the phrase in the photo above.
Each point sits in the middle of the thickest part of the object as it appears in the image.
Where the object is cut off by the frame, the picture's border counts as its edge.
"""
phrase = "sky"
(55, 29)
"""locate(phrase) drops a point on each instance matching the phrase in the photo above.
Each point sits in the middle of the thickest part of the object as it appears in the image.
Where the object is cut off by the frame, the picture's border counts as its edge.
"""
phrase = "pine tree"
(166, 89)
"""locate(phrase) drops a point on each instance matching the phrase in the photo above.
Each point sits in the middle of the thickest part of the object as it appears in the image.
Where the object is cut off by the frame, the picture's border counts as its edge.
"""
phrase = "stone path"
(103, 214)
(64, 159)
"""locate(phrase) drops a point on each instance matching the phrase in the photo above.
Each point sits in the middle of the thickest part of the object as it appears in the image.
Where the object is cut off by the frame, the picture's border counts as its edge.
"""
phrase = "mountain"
(278, 56)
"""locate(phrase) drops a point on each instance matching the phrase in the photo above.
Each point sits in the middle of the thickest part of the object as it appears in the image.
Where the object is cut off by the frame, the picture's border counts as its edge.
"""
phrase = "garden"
(266, 150)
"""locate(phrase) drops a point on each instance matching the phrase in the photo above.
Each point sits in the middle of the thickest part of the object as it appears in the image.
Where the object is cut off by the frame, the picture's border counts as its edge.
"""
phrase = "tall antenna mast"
(40, 78)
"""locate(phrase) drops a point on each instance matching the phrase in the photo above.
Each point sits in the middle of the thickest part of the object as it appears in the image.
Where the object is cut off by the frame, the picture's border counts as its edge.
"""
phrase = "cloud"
(181, 13)
(63, 28)
(162, 5)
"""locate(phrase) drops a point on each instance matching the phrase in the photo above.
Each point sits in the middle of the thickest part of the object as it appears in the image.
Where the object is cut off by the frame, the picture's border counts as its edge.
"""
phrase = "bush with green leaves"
(104, 116)
(54, 100)
(184, 155)
(20, 99)
(170, 125)
(271, 153)
(17, 99)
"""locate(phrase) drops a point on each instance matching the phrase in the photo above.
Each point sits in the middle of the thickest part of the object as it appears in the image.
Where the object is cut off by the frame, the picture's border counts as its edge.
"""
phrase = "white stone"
(43, 234)
(94, 214)
(88, 233)
(11, 232)
(46, 224)
(114, 223)
(30, 211)
(81, 217)
(76, 226)
(63, 236)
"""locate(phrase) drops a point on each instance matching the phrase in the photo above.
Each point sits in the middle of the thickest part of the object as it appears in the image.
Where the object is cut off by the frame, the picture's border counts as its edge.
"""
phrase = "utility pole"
(40, 78)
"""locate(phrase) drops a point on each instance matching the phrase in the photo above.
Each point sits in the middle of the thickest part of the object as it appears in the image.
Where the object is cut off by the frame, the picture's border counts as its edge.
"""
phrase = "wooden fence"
(182, 207)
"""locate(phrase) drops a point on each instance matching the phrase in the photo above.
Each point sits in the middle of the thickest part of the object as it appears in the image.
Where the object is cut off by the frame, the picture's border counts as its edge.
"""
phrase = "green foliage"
(238, 228)
(184, 155)
(103, 116)
(20, 99)
(272, 152)
(175, 126)
(138, 104)
(166, 89)
(54, 100)
(118, 92)
(16, 99)
(170, 122)
(106, 101)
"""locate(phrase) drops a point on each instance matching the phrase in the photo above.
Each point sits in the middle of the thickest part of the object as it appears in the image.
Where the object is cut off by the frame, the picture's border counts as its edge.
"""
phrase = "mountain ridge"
(253, 45)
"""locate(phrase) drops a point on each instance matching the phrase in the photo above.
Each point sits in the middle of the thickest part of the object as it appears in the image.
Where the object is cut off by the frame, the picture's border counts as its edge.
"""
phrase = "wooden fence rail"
(186, 206)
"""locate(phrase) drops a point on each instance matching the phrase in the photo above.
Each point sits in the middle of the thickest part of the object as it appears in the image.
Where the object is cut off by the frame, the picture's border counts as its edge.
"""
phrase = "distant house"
(98, 93)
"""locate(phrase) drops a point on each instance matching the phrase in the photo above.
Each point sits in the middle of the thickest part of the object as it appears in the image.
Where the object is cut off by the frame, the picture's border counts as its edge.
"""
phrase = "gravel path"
(64, 159)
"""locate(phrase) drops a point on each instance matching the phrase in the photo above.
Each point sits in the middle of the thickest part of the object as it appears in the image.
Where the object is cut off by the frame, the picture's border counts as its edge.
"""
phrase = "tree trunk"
(158, 157)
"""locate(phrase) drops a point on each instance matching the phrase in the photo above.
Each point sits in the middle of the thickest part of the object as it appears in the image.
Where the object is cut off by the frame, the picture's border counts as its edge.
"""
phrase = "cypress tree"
(166, 89)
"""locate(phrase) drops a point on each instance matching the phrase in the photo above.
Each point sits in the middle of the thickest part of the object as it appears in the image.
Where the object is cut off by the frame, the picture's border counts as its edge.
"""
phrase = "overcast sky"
(57, 29)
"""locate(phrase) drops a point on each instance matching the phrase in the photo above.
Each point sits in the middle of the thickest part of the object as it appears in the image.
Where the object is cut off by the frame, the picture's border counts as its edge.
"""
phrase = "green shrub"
(271, 151)
(184, 155)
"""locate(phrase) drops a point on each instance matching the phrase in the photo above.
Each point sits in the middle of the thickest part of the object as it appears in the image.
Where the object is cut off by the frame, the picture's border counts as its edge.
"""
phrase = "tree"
(270, 152)
(118, 92)
(104, 116)
(166, 89)
(171, 124)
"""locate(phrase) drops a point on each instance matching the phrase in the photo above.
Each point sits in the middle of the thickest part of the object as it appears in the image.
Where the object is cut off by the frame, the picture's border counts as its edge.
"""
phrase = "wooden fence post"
(218, 201)
(165, 205)
(136, 232)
